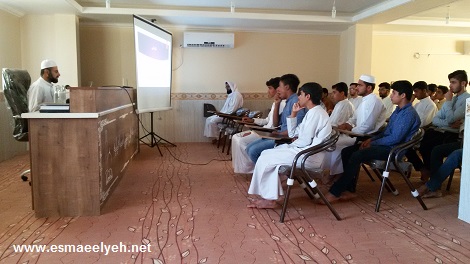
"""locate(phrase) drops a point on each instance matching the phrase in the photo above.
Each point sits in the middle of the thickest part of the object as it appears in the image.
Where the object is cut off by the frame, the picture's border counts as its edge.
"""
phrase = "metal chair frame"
(395, 162)
(303, 176)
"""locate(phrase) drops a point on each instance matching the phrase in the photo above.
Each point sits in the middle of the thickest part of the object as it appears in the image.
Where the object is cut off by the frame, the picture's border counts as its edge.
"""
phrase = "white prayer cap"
(48, 64)
(367, 78)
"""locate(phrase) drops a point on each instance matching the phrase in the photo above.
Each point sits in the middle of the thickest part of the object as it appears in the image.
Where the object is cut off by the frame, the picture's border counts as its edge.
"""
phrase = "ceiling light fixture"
(108, 3)
(448, 15)
(232, 7)
(333, 10)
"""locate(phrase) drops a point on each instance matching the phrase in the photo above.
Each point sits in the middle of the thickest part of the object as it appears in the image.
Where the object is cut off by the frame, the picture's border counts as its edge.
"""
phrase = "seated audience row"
(367, 119)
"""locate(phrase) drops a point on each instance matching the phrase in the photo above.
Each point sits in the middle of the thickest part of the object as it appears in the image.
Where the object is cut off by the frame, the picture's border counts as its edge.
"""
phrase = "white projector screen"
(153, 55)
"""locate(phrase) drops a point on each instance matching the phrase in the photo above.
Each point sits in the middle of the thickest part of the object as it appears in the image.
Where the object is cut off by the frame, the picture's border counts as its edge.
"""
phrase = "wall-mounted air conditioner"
(208, 40)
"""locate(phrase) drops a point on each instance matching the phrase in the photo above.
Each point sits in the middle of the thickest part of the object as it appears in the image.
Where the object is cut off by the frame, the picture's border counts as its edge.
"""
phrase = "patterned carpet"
(189, 207)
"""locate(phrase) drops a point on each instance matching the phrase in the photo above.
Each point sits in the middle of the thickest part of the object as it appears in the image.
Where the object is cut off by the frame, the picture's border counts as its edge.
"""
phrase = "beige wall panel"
(10, 57)
(393, 57)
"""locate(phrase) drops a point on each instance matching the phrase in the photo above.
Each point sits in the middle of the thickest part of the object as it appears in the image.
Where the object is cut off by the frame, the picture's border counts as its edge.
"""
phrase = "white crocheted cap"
(48, 64)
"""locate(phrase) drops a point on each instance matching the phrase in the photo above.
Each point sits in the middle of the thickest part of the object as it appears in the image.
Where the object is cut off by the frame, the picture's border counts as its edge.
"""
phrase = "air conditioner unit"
(208, 40)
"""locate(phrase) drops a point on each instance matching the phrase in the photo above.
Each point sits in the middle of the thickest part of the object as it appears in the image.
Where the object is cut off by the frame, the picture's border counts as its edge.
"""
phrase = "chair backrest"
(207, 108)
(15, 88)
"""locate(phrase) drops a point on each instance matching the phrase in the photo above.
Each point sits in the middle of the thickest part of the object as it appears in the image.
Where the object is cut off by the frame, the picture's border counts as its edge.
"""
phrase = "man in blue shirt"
(287, 89)
(445, 124)
(403, 124)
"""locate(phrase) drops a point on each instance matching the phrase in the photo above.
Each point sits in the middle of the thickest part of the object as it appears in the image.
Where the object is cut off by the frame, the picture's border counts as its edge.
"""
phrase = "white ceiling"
(256, 15)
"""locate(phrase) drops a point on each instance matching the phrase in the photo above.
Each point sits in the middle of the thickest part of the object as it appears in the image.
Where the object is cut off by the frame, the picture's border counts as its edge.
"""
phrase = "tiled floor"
(196, 213)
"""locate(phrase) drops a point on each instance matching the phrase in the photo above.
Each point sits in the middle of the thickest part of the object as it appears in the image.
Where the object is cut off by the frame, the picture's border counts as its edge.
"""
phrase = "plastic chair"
(303, 176)
(15, 88)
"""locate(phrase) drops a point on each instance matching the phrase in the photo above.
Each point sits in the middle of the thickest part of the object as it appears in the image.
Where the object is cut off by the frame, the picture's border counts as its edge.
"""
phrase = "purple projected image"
(153, 48)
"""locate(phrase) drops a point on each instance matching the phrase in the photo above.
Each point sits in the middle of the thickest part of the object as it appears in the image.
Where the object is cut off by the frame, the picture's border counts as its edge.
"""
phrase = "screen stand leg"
(154, 138)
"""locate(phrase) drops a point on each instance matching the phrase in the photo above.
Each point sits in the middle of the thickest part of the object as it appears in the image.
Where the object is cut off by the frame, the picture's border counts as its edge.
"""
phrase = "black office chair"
(15, 88)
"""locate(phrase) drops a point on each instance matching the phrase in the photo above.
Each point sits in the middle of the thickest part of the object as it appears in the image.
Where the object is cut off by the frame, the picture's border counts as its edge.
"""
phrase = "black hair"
(325, 91)
(403, 86)
(443, 88)
(422, 85)
(274, 82)
(341, 87)
(315, 91)
(292, 80)
(372, 85)
(432, 87)
(386, 85)
(460, 75)
(355, 84)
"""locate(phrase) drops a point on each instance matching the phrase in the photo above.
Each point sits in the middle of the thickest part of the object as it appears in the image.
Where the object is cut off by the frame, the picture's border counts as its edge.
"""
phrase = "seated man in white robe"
(241, 162)
(342, 112)
(368, 118)
(232, 103)
(426, 108)
(314, 129)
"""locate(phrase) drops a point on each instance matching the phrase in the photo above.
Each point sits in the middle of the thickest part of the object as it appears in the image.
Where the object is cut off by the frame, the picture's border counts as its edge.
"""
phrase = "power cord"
(146, 131)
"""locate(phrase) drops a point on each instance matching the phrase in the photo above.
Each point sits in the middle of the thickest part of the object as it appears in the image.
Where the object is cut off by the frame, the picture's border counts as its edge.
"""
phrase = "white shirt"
(342, 112)
(315, 127)
(426, 109)
(389, 106)
(268, 121)
(234, 100)
(39, 92)
(356, 101)
(369, 117)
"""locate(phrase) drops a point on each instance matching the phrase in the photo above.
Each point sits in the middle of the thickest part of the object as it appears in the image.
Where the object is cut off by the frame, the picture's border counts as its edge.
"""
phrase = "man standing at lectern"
(233, 102)
(42, 91)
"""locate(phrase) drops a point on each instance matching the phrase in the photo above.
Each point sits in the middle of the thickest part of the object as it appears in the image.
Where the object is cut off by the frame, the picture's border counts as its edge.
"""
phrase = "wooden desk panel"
(77, 162)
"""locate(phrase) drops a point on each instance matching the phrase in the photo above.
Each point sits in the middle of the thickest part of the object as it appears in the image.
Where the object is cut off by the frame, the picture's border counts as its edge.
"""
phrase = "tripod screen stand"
(154, 138)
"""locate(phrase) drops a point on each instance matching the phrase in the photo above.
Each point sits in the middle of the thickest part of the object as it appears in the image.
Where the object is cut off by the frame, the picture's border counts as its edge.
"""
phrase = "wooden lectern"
(78, 158)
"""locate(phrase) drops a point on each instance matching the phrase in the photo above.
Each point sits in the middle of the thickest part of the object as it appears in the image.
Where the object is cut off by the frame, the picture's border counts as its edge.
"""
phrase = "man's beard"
(53, 80)
(229, 91)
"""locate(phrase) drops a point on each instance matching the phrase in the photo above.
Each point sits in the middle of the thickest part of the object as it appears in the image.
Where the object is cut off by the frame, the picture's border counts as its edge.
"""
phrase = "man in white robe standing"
(233, 102)
(241, 162)
(367, 119)
(314, 129)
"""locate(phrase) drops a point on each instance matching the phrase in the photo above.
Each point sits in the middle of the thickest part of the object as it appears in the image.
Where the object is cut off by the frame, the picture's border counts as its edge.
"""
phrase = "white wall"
(51, 37)
(393, 52)
(107, 56)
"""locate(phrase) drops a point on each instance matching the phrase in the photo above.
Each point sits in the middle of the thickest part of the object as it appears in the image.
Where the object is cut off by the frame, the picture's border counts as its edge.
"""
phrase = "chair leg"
(449, 181)
(229, 144)
(303, 184)
(24, 173)
(290, 182)
(332, 209)
(367, 171)
(220, 136)
(389, 186)
(224, 141)
(382, 186)
(414, 192)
